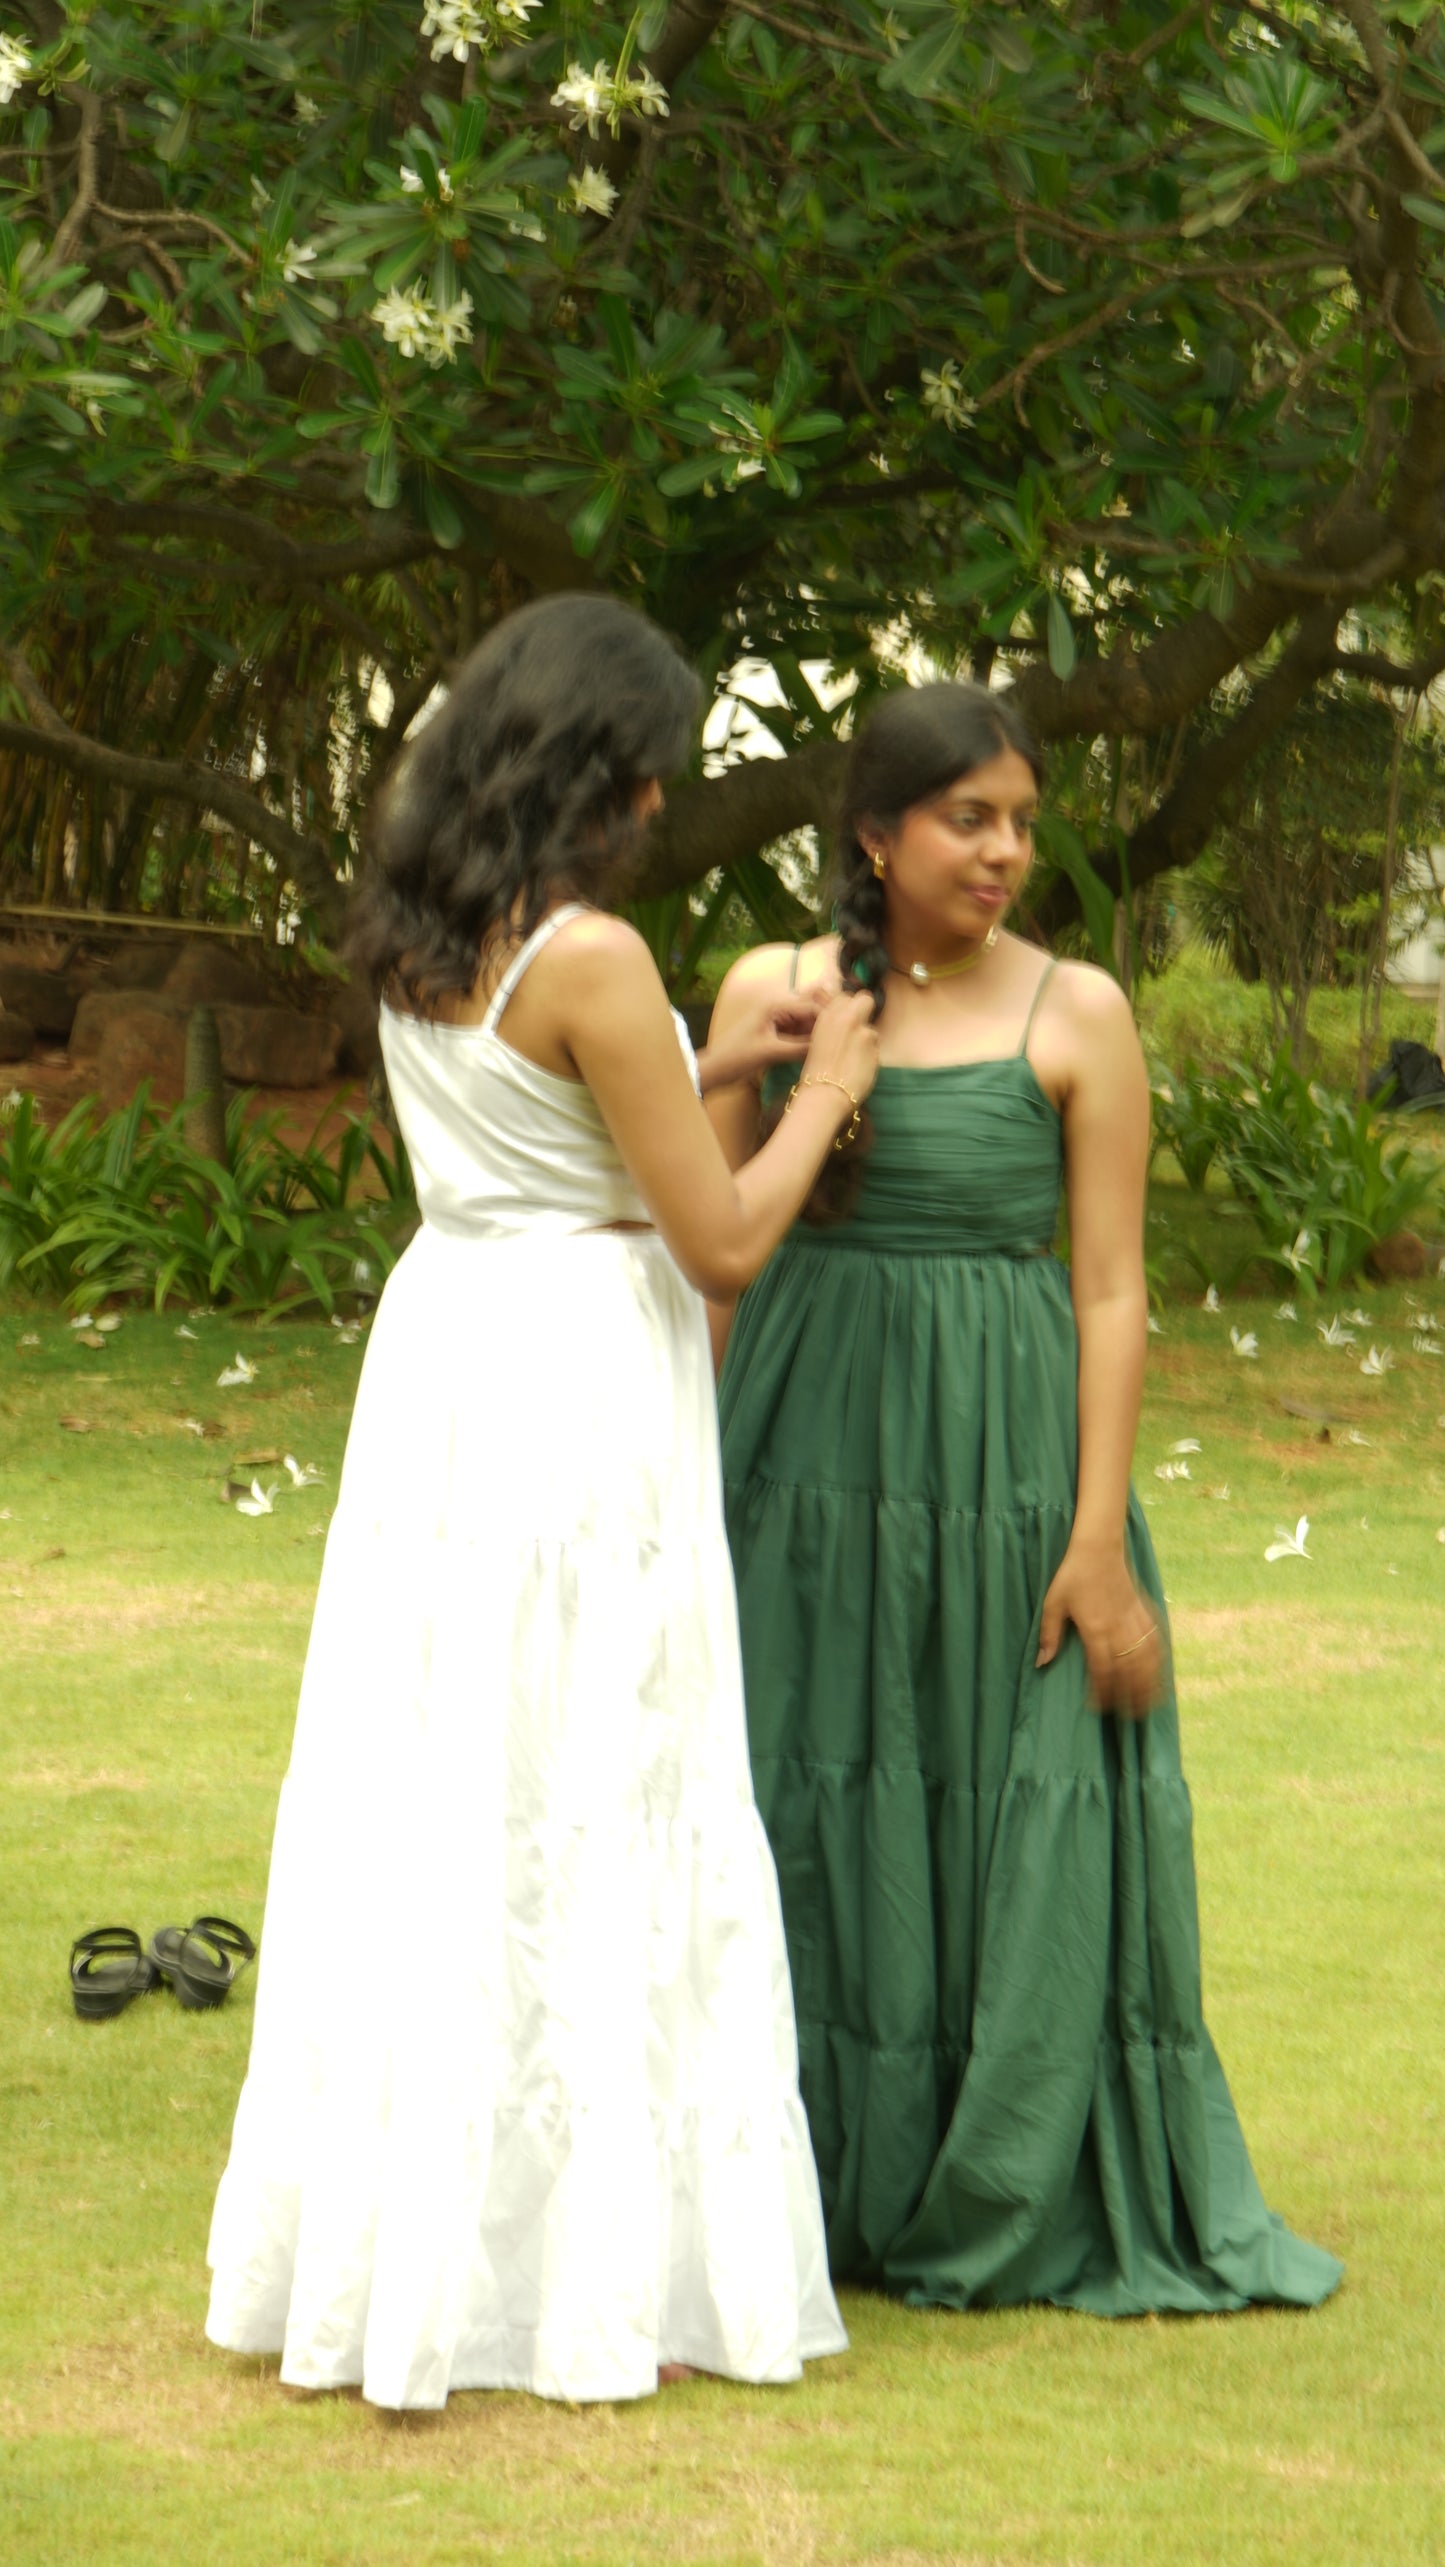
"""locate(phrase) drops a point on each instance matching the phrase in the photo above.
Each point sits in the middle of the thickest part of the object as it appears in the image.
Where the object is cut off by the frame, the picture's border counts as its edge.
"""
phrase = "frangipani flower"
(1286, 1310)
(297, 258)
(1357, 1319)
(602, 96)
(1212, 1301)
(943, 395)
(1246, 1345)
(1425, 1346)
(1221, 1492)
(1187, 1444)
(302, 1479)
(260, 1502)
(1297, 1257)
(591, 191)
(1171, 1470)
(15, 66)
(454, 26)
(236, 1374)
(1290, 1546)
(184, 1331)
(404, 319)
(1334, 1334)
(1378, 1362)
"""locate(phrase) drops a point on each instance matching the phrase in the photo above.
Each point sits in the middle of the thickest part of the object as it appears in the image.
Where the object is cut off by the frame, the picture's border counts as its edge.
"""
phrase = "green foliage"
(125, 1207)
(1197, 1011)
(1317, 1172)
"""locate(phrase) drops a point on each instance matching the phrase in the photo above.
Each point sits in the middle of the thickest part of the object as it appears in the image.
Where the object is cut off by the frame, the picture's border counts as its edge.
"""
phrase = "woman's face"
(956, 863)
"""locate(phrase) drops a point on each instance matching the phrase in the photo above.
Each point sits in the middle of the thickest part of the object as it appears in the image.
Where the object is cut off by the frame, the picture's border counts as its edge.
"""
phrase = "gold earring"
(879, 863)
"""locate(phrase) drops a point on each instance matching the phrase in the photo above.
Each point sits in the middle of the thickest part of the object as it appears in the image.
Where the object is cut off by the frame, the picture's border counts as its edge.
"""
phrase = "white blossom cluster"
(410, 321)
(412, 183)
(15, 66)
(944, 396)
(604, 96)
(591, 191)
(454, 26)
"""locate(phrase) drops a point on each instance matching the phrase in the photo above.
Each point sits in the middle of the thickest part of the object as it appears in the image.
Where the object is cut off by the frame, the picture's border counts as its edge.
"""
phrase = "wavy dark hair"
(914, 745)
(520, 789)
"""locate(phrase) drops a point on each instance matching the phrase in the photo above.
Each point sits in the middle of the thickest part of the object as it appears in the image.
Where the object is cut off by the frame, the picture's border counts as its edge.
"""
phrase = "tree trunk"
(205, 1123)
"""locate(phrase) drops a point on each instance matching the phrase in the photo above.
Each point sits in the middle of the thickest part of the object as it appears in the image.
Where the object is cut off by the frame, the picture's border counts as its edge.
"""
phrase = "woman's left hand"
(1122, 1639)
(771, 1031)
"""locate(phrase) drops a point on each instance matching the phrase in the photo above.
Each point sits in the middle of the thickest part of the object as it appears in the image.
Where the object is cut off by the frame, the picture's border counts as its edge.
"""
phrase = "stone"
(99, 1009)
(277, 1047)
(352, 1006)
(140, 964)
(17, 1036)
(1402, 1258)
(142, 1036)
(48, 999)
(206, 973)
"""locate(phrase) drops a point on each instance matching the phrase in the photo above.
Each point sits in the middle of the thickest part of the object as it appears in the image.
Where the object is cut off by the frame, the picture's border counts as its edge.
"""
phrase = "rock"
(275, 1047)
(205, 1086)
(142, 964)
(48, 999)
(99, 1009)
(1402, 1258)
(142, 1036)
(17, 1036)
(207, 974)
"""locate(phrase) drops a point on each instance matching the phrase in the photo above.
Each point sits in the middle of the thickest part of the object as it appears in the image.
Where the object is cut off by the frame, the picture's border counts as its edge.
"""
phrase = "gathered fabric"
(522, 2106)
(988, 1889)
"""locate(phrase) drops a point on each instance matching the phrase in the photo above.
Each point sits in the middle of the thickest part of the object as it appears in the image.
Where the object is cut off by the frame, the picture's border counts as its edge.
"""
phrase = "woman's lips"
(988, 895)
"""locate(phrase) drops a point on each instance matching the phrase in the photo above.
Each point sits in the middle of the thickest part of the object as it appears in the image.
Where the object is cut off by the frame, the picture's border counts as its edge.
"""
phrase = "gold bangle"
(1151, 1634)
(844, 1138)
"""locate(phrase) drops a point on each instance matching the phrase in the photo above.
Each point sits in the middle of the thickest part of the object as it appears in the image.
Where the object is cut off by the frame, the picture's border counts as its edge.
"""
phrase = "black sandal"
(202, 1960)
(108, 1969)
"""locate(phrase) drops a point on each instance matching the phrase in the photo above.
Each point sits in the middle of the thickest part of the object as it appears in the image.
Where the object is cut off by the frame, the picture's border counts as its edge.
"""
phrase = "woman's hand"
(844, 1048)
(1122, 1640)
(770, 1030)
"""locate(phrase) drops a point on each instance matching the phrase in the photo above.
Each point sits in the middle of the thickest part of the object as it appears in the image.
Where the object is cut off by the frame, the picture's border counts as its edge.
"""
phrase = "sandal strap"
(232, 1938)
(103, 1943)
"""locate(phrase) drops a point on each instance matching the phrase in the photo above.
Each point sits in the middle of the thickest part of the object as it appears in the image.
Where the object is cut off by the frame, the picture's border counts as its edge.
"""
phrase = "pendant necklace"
(922, 973)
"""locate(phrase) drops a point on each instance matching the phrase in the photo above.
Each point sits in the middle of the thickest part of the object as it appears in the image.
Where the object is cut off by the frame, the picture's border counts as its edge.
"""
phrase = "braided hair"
(918, 741)
(522, 786)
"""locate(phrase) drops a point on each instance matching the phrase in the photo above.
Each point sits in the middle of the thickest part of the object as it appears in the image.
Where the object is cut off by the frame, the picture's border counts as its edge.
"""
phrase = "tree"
(1103, 344)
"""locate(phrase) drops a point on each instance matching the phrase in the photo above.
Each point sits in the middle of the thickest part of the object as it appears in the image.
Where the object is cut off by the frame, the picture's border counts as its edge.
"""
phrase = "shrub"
(1197, 1011)
(126, 1206)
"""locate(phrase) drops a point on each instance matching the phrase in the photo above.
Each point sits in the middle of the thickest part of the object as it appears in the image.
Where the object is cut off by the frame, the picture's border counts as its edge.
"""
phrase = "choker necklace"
(923, 973)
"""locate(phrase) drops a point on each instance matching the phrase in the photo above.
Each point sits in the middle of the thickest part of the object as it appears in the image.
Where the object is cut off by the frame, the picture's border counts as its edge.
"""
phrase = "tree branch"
(204, 788)
(87, 179)
(716, 820)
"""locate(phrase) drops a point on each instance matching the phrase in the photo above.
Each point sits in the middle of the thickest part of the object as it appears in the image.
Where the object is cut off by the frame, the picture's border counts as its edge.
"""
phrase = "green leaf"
(1062, 653)
(593, 518)
(383, 478)
(921, 65)
(442, 514)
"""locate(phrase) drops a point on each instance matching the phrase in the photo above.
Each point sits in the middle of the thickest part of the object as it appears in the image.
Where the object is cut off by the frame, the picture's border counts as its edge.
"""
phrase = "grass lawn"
(150, 1644)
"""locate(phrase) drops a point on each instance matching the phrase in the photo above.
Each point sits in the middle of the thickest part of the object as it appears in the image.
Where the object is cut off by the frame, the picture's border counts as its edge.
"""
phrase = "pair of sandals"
(201, 1961)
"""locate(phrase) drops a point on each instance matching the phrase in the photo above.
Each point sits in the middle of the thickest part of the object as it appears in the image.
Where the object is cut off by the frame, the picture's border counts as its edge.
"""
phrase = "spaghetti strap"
(528, 953)
(793, 968)
(1045, 976)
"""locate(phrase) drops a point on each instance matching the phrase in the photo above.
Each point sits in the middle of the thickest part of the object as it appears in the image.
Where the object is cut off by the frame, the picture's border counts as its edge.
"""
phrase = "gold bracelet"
(844, 1138)
(1151, 1634)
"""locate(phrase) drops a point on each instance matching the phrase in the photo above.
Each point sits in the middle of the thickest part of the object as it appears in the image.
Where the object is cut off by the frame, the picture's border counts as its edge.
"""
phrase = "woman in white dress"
(522, 2105)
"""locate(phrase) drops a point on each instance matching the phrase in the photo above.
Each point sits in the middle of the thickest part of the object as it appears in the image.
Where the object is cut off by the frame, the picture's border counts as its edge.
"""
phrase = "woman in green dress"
(964, 1738)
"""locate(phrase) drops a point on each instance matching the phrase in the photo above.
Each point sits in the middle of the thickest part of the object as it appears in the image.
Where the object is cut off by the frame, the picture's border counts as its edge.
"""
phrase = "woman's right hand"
(844, 1048)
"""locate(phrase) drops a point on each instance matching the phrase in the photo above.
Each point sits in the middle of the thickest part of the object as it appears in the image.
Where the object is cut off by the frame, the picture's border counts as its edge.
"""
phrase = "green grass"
(150, 1644)
(1198, 1011)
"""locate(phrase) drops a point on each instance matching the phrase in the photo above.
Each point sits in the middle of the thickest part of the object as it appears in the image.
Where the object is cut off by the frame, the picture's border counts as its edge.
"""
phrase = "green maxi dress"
(988, 1889)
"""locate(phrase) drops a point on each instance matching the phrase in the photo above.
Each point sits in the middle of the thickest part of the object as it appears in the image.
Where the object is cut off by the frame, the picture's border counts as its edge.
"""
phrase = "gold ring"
(1150, 1634)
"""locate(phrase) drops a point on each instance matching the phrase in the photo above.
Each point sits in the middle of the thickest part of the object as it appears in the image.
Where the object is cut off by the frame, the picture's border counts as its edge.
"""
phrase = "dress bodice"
(499, 1146)
(965, 1161)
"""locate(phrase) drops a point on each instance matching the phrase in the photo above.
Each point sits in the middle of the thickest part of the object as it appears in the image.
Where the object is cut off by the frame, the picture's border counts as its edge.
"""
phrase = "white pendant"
(921, 973)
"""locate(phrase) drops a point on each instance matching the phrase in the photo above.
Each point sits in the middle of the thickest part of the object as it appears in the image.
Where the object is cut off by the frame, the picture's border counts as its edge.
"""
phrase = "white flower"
(192, 1426)
(1247, 1345)
(15, 66)
(1425, 1346)
(30, 1339)
(1357, 1319)
(1425, 1319)
(1221, 1492)
(1334, 1334)
(297, 258)
(108, 1322)
(602, 96)
(944, 396)
(1187, 1444)
(301, 1479)
(451, 328)
(404, 320)
(1297, 1257)
(1286, 1310)
(591, 191)
(454, 26)
(84, 1321)
(1290, 1546)
(413, 184)
(305, 110)
(236, 1374)
(183, 1331)
(1378, 1362)
(1211, 1299)
(1352, 1435)
(1152, 1327)
(260, 1502)
(1171, 1470)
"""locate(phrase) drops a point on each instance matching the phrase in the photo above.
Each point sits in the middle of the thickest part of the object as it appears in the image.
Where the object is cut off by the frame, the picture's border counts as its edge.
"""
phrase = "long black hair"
(915, 744)
(520, 788)
(918, 742)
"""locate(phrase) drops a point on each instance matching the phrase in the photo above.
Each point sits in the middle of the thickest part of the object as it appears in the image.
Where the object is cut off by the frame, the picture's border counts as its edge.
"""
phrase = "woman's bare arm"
(1106, 1140)
(597, 992)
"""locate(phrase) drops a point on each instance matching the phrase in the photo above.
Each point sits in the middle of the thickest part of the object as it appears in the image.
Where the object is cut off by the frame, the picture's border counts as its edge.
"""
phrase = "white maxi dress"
(522, 2106)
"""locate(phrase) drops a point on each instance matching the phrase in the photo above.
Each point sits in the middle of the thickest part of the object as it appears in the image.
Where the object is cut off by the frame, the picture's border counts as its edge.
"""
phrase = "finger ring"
(1150, 1634)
